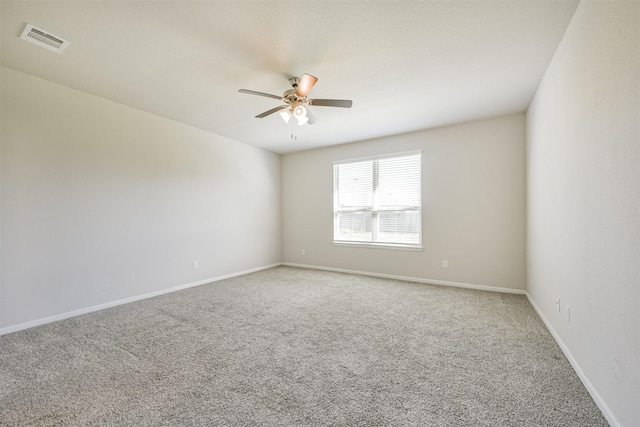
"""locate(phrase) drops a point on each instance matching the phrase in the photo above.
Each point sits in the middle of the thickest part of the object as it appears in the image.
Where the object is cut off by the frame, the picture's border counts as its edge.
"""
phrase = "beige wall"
(583, 145)
(102, 202)
(473, 206)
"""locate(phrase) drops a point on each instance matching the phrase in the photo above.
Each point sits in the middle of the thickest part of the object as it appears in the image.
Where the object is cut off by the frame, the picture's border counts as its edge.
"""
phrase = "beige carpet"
(296, 347)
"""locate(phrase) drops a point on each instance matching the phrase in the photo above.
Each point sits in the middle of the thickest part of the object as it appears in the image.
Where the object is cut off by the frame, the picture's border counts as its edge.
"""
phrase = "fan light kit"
(296, 102)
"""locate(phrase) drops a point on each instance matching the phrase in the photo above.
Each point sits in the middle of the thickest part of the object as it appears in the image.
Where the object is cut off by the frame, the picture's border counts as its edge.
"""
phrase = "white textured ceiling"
(407, 65)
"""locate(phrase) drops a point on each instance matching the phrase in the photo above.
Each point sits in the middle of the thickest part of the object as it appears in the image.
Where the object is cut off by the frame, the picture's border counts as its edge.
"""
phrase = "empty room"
(320, 213)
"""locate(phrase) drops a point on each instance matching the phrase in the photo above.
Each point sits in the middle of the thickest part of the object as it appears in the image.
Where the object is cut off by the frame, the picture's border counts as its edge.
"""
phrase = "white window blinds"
(378, 201)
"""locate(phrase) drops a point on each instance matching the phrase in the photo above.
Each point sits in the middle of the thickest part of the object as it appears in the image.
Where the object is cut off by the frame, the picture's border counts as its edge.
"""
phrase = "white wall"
(583, 142)
(102, 202)
(473, 205)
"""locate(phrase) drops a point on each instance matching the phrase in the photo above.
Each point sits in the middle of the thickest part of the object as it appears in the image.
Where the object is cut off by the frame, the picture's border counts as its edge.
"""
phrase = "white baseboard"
(576, 367)
(67, 315)
(412, 279)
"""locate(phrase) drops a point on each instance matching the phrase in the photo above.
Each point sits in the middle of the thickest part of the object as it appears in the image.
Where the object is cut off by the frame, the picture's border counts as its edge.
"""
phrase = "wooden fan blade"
(273, 110)
(253, 92)
(306, 83)
(343, 103)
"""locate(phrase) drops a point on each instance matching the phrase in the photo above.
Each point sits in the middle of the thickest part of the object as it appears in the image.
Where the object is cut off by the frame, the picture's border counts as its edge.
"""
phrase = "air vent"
(43, 39)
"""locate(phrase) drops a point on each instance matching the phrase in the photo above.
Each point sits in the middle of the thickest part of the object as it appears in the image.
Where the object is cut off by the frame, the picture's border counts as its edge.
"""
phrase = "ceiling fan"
(296, 101)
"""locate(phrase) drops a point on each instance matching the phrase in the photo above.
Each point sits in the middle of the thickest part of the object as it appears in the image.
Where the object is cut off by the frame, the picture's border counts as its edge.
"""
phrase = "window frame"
(375, 210)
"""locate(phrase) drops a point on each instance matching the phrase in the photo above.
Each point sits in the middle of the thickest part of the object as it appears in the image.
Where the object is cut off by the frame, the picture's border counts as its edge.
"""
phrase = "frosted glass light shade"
(300, 114)
(286, 115)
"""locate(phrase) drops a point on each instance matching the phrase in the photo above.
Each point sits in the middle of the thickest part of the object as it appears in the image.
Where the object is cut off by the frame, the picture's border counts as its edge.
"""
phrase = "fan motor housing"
(290, 97)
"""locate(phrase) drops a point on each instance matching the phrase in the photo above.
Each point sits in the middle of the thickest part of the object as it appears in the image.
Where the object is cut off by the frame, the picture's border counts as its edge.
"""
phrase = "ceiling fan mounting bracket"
(295, 81)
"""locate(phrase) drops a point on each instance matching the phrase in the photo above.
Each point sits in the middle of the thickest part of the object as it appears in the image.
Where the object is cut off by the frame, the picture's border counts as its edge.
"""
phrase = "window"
(377, 201)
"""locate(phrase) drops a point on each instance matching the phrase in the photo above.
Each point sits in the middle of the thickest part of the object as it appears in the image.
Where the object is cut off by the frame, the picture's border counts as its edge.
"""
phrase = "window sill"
(379, 246)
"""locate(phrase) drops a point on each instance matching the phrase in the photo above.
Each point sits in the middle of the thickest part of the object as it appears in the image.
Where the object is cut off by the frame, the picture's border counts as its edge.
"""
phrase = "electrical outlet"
(445, 264)
(195, 264)
(303, 252)
(567, 313)
(558, 306)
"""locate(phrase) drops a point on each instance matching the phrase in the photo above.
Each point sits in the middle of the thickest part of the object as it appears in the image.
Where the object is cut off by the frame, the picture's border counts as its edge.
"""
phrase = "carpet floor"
(296, 347)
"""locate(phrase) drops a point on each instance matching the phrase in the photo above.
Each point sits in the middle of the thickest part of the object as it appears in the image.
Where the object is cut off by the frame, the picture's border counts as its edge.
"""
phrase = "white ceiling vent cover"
(43, 39)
